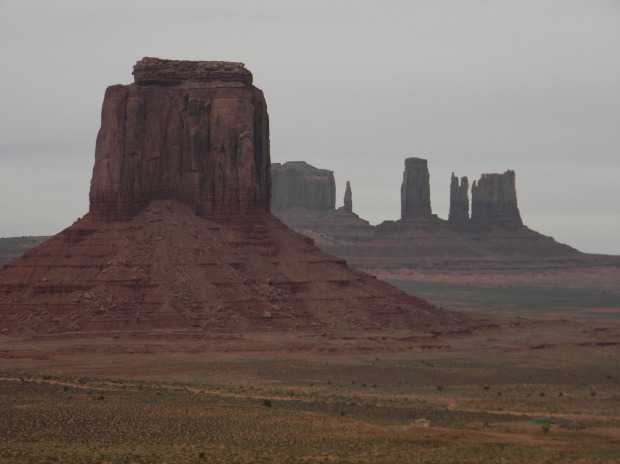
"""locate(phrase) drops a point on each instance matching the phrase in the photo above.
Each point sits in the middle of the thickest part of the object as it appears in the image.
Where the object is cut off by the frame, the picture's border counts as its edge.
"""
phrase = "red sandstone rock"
(415, 193)
(179, 238)
(168, 269)
(196, 132)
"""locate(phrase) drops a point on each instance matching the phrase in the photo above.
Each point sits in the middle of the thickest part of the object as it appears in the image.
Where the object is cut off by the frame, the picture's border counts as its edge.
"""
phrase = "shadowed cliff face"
(197, 132)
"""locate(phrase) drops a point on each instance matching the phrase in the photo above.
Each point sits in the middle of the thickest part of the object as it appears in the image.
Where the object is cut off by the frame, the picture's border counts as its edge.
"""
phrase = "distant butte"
(492, 239)
(179, 237)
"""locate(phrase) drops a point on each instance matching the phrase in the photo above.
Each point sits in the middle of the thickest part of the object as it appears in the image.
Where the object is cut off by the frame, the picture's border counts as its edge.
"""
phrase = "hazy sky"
(354, 86)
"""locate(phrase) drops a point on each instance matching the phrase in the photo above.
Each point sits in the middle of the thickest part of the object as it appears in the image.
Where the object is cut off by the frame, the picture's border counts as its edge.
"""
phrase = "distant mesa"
(493, 237)
(296, 183)
(179, 238)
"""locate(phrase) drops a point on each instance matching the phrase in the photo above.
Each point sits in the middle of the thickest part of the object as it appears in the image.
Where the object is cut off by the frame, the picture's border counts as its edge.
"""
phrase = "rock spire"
(459, 200)
(415, 192)
(348, 198)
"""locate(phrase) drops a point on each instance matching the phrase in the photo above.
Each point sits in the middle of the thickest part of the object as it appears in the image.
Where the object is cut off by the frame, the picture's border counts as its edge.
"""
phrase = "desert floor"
(333, 397)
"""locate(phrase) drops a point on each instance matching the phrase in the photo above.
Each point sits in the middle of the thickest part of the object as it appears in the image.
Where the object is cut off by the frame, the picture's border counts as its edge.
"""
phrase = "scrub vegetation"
(341, 411)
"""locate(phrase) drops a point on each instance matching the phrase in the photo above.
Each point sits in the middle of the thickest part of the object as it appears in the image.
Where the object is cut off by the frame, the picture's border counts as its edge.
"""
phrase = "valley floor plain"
(316, 398)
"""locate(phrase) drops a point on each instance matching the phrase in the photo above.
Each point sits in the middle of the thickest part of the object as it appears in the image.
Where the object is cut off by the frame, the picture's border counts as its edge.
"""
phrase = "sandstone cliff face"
(494, 201)
(298, 184)
(415, 192)
(459, 200)
(197, 132)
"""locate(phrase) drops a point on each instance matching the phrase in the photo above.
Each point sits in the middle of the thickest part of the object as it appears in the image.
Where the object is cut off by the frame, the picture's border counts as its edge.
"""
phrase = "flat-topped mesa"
(298, 184)
(415, 192)
(348, 198)
(155, 71)
(204, 143)
(459, 200)
(494, 201)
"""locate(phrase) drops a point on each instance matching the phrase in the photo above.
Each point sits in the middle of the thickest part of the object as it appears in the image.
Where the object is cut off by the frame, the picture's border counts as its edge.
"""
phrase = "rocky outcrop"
(158, 72)
(459, 200)
(298, 184)
(348, 198)
(492, 239)
(415, 192)
(179, 240)
(192, 131)
(494, 201)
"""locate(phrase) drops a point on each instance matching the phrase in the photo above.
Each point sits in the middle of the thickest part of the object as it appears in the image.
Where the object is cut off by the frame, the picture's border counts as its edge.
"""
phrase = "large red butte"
(179, 237)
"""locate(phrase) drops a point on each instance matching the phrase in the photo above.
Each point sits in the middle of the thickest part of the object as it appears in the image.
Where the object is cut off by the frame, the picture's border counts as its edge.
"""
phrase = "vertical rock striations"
(415, 192)
(298, 184)
(348, 198)
(459, 200)
(494, 201)
(192, 131)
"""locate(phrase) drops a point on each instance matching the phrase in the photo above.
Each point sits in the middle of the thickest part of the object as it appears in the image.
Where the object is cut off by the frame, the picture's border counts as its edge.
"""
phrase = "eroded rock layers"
(191, 131)
(168, 270)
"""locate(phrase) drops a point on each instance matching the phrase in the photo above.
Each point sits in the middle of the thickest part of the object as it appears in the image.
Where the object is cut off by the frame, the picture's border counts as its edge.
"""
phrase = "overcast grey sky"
(354, 86)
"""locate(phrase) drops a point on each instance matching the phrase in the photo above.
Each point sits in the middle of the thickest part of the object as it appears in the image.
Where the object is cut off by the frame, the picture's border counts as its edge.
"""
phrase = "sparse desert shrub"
(267, 403)
(546, 428)
(486, 387)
